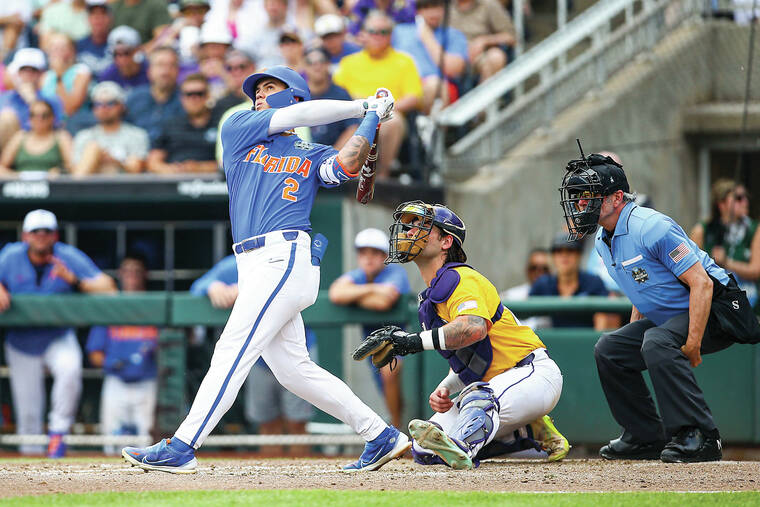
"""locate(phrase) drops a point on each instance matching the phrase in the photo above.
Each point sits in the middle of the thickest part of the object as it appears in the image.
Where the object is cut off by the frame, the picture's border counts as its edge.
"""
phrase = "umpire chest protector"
(470, 362)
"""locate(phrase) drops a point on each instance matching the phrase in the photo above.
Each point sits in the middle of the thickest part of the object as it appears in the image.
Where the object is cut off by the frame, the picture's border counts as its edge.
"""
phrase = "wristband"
(368, 126)
(77, 285)
(433, 339)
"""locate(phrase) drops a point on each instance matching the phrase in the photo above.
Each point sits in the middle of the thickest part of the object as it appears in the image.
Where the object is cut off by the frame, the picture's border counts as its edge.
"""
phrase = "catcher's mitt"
(386, 343)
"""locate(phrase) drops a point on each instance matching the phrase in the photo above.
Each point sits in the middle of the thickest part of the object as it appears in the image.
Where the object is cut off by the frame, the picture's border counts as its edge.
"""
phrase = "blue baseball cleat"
(390, 444)
(169, 455)
(56, 447)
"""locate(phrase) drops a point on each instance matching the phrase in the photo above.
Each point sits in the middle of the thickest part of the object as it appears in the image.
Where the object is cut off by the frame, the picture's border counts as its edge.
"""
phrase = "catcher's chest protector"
(470, 362)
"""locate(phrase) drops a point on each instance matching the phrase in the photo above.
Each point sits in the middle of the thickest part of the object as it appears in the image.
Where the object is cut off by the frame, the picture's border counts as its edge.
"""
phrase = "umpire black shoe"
(691, 445)
(619, 449)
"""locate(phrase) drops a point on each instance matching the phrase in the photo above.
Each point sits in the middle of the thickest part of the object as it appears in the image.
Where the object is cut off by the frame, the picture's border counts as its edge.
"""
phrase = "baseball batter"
(272, 179)
(507, 381)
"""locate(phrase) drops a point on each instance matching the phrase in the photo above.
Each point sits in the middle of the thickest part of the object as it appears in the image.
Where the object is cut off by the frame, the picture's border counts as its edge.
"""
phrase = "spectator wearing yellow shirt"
(379, 65)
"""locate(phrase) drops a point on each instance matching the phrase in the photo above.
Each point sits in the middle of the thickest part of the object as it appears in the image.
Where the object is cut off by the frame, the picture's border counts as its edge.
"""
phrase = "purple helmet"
(296, 86)
(421, 216)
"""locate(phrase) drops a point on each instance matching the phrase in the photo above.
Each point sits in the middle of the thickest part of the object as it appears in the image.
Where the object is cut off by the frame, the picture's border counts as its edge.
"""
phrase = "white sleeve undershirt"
(452, 382)
(313, 113)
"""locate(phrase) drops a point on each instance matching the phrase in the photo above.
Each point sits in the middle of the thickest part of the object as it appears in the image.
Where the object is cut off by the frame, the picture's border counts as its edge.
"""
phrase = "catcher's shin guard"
(478, 416)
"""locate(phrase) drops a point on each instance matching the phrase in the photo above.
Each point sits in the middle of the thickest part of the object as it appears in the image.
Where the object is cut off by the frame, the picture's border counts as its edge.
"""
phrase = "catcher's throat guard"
(581, 199)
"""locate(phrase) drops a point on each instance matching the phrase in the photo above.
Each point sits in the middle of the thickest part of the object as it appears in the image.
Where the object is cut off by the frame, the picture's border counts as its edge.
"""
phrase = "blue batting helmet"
(419, 217)
(296, 86)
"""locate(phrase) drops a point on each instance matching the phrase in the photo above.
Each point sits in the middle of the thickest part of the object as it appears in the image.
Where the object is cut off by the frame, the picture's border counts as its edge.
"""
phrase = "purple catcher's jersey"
(271, 179)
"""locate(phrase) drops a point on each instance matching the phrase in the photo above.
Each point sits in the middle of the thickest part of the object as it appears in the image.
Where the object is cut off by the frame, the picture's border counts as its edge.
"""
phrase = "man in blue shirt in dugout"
(684, 305)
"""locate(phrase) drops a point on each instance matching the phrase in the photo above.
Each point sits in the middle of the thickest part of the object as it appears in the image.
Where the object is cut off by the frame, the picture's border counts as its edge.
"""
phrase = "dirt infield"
(22, 477)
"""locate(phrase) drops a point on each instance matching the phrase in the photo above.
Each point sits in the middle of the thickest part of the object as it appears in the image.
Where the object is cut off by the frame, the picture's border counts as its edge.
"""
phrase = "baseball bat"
(366, 188)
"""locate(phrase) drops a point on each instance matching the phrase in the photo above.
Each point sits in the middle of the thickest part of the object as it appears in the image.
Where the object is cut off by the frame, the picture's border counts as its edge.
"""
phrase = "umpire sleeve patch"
(679, 252)
(467, 305)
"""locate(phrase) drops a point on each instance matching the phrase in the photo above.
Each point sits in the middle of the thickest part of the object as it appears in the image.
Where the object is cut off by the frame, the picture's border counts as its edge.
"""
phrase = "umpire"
(684, 305)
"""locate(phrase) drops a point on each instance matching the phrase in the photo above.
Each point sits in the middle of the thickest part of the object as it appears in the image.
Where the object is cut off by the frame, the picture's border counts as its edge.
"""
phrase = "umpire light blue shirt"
(19, 276)
(648, 252)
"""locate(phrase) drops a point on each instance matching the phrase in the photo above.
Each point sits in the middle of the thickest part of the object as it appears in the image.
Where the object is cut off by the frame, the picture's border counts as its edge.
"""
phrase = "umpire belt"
(258, 241)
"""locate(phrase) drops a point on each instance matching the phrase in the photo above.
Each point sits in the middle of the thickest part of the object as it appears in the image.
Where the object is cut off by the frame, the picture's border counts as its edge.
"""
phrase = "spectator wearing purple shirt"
(91, 50)
(425, 41)
(400, 11)
(129, 68)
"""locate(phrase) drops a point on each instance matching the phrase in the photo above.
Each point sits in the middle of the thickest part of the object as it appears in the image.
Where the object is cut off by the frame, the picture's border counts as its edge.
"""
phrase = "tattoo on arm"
(354, 153)
(464, 330)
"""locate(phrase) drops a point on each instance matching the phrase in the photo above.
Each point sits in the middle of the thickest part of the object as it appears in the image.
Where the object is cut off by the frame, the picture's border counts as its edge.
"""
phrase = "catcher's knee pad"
(478, 414)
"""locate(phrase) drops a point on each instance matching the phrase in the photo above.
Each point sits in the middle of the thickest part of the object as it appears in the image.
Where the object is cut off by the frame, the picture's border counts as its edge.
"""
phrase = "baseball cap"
(329, 23)
(28, 57)
(611, 175)
(560, 242)
(106, 91)
(372, 238)
(123, 36)
(39, 219)
(289, 33)
(91, 4)
(215, 33)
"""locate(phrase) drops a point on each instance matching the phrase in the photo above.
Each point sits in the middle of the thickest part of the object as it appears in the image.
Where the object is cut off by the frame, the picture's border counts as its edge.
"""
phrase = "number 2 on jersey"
(291, 186)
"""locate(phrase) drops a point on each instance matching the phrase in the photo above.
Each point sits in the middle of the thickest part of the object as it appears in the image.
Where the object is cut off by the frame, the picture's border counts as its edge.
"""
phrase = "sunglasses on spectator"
(740, 197)
(195, 93)
(128, 52)
(384, 31)
(44, 115)
(42, 231)
(541, 268)
(240, 66)
(110, 103)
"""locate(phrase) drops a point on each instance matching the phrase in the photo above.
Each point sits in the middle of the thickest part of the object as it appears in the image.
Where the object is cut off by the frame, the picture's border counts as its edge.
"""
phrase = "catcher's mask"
(586, 183)
(412, 223)
(296, 86)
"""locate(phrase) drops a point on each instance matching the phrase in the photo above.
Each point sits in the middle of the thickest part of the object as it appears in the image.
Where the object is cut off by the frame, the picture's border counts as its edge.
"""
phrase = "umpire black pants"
(622, 355)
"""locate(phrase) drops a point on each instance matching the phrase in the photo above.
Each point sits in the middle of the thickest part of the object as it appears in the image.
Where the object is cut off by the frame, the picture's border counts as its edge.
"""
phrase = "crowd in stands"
(115, 75)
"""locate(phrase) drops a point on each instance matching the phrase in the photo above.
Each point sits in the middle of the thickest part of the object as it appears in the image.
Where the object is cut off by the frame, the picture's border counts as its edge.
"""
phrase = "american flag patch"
(679, 252)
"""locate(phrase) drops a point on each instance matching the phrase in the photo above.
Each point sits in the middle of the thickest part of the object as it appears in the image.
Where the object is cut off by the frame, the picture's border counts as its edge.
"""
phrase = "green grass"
(390, 498)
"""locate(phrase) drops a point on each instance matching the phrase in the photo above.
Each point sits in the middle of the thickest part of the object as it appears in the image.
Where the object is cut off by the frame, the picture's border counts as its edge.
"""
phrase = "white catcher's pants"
(275, 283)
(63, 358)
(525, 394)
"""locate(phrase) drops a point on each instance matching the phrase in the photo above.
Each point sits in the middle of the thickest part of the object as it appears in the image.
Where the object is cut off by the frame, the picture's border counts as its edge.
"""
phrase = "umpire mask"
(586, 183)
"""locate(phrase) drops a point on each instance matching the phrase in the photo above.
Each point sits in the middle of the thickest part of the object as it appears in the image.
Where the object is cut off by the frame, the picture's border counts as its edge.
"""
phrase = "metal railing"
(552, 75)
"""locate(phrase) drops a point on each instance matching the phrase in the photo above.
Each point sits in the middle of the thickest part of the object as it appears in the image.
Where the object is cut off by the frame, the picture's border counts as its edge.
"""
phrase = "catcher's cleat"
(169, 455)
(552, 441)
(431, 437)
(390, 444)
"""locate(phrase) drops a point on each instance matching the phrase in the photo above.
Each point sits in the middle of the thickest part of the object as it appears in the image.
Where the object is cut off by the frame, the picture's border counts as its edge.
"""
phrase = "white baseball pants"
(63, 358)
(126, 403)
(275, 283)
(525, 394)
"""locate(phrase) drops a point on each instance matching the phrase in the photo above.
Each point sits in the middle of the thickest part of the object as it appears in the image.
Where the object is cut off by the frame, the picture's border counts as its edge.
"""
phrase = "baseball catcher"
(506, 381)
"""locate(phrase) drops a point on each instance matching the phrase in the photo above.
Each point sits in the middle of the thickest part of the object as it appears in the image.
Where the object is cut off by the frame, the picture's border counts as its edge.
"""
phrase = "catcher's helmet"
(585, 185)
(296, 86)
(422, 217)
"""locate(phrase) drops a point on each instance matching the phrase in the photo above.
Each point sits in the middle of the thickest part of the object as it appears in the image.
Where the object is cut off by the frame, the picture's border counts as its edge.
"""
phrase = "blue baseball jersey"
(19, 276)
(226, 271)
(272, 180)
(130, 351)
(392, 274)
(648, 252)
